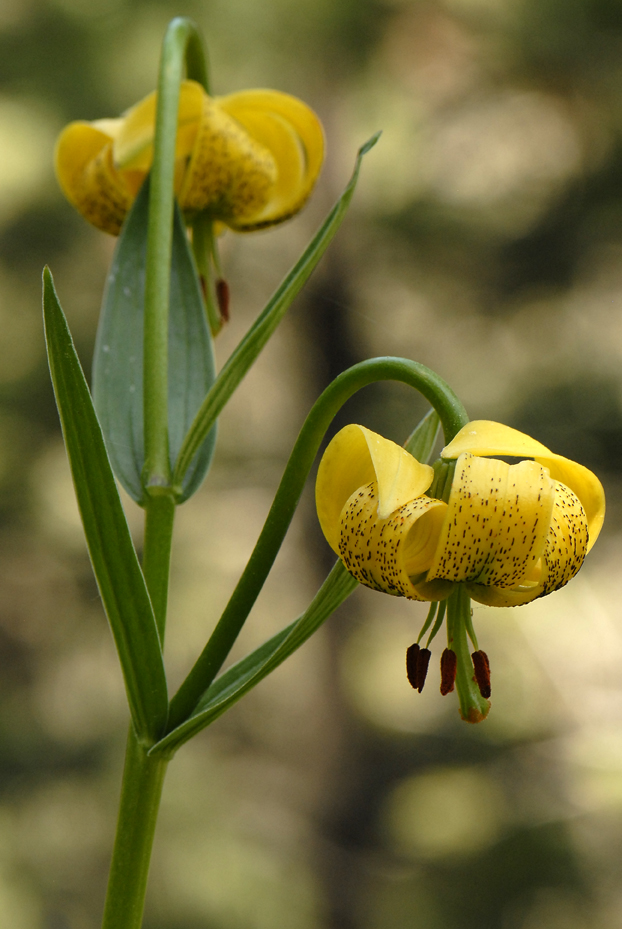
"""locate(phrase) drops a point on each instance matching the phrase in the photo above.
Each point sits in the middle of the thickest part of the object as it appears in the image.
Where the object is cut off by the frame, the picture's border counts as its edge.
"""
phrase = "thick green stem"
(143, 777)
(181, 41)
(159, 519)
(453, 417)
(473, 707)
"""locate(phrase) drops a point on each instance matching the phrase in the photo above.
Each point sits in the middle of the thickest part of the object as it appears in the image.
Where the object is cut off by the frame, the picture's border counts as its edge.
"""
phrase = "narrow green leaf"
(246, 674)
(119, 577)
(118, 359)
(420, 443)
(453, 416)
(246, 353)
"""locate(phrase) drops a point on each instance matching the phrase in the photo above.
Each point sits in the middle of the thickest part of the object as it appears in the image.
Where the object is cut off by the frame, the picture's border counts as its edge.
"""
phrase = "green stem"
(143, 777)
(453, 417)
(473, 707)
(159, 519)
(181, 43)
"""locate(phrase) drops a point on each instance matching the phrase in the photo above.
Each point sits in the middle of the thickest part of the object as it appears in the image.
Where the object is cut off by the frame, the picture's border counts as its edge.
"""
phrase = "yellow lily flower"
(509, 533)
(249, 159)
(503, 534)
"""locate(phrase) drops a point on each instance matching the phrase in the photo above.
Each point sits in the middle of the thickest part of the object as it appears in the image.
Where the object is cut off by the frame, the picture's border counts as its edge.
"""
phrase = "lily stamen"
(481, 666)
(222, 299)
(449, 669)
(417, 662)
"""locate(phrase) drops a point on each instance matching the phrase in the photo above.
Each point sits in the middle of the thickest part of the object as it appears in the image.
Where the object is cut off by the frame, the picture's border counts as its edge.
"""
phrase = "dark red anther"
(417, 661)
(449, 666)
(222, 298)
(412, 654)
(423, 660)
(482, 672)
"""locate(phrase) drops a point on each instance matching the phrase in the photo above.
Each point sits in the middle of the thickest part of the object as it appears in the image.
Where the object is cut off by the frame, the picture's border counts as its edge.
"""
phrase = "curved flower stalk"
(503, 534)
(248, 160)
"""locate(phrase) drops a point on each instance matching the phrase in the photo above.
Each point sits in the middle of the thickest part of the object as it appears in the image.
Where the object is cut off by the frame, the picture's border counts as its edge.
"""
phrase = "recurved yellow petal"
(355, 457)
(564, 552)
(289, 190)
(230, 174)
(300, 116)
(585, 485)
(399, 476)
(133, 145)
(345, 466)
(87, 176)
(293, 134)
(567, 541)
(482, 437)
(496, 525)
(373, 549)
(77, 145)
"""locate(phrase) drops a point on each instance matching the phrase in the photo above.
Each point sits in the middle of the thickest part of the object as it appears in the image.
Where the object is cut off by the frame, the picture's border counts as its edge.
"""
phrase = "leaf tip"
(367, 146)
(48, 283)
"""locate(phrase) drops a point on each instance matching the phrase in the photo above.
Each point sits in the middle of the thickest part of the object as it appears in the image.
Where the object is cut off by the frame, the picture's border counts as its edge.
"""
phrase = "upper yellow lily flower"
(249, 159)
(509, 533)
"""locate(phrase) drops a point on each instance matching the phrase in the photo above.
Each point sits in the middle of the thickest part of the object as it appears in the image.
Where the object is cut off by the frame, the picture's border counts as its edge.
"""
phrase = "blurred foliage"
(485, 241)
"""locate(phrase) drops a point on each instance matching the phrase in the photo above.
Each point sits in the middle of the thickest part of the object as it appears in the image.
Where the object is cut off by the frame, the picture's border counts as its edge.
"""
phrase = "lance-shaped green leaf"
(246, 353)
(420, 443)
(118, 359)
(119, 577)
(246, 674)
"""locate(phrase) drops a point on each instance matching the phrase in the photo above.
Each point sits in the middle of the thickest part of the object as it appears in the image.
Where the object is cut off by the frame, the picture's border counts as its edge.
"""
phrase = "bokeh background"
(485, 240)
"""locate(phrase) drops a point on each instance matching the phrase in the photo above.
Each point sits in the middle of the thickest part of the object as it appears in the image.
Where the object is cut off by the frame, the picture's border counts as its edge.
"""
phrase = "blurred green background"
(485, 240)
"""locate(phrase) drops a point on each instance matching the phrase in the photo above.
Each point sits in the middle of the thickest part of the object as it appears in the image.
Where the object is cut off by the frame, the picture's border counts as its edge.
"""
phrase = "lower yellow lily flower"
(249, 159)
(505, 534)
(510, 533)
